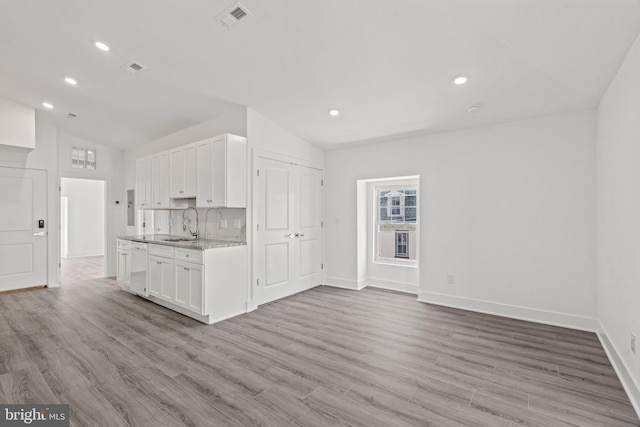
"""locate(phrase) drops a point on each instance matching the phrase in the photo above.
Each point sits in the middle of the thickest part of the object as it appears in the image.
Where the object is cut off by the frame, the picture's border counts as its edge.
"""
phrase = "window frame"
(411, 226)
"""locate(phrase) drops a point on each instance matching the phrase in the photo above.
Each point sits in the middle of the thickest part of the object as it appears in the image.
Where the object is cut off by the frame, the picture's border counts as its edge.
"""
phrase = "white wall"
(109, 168)
(618, 171)
(508, 209)
(85, 216)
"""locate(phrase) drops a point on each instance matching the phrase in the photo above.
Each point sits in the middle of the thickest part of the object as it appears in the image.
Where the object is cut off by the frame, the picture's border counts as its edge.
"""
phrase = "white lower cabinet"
(209, 285)
(162, 282)
(189, 289)
(124, 267)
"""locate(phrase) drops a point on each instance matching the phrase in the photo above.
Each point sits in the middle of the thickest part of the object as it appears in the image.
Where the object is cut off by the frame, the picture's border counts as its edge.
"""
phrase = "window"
(83, 158)
(402, 244)
(396, 223)
(397, 206)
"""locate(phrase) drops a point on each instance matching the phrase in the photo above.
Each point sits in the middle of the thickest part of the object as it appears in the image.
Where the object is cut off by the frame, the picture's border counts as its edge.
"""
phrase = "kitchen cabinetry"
(162, 283)
(182, 172)
(189, 280)
(208, 285)
(123, 267)
(160, 180)
(222, 172)
(143, 183)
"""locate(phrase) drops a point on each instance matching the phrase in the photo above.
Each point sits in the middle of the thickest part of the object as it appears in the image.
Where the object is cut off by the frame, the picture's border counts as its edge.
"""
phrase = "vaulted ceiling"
(386, 65)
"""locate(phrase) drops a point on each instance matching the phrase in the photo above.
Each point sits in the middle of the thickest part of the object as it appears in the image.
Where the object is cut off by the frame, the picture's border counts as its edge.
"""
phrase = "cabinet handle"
(185, 268)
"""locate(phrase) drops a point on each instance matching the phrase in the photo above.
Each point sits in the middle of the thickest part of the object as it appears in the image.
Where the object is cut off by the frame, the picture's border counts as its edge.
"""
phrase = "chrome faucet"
(184, 222)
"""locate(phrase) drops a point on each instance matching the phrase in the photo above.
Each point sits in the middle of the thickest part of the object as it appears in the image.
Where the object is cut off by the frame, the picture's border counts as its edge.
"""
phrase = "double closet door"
(288, 212)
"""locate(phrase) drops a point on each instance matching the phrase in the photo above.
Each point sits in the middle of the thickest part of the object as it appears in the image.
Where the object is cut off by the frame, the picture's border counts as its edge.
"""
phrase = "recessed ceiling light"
(71, 81)
(103, 46)
(334, 113)
(47, 105)
(460, 80)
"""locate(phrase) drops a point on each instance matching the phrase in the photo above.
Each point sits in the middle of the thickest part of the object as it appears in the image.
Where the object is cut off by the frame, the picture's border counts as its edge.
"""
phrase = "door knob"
(299, 235)
(291, 236)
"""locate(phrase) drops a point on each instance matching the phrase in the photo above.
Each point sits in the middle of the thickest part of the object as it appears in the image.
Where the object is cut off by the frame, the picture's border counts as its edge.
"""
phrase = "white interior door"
(23, 239)
(288, 252)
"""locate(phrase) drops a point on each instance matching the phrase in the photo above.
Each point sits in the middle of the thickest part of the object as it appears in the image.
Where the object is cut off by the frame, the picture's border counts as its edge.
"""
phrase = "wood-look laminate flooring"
(325, 357)
(73, 270)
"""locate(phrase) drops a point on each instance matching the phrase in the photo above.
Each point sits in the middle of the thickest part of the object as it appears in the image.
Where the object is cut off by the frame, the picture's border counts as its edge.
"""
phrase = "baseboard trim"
(563, 320)
(337, 282)
(408, 288)
(624, 374)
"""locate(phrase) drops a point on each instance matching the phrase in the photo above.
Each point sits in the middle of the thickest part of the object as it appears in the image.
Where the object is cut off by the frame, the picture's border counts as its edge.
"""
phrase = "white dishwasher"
(139, 268)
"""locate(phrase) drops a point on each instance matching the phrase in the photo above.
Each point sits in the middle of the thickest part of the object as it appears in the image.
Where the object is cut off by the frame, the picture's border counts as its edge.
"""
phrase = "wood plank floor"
(326, 357)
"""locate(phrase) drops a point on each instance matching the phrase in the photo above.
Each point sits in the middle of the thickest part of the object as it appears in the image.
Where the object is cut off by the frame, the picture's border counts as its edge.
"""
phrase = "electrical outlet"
(633, 343)
(236, 223)
(450, 279)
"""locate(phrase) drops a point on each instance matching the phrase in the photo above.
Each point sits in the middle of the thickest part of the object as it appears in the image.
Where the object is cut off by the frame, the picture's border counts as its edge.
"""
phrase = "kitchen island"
(203, 279)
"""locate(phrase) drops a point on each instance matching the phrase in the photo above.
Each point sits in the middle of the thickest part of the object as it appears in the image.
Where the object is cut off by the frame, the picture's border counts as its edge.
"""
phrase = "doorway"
(82, 229)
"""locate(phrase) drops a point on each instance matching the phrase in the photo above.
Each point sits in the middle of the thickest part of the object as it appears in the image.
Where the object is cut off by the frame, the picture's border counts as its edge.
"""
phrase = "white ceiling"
(386, 65)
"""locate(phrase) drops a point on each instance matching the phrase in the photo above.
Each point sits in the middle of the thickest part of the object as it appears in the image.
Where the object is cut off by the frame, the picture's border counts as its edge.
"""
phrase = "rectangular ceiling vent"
(231, 15)
(132, 67)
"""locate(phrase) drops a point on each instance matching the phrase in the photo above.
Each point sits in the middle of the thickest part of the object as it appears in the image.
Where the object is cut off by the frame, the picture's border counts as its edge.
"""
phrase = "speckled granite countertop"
(182, 242)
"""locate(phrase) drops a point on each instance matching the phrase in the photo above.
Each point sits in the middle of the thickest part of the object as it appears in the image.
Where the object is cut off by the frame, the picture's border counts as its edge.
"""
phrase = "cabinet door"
(155, 276)
(160, 180)
(189, 158)
(204, 171)
(176, 173)
(182, 284)
(123, 267)
(189, 286)
(143, 183)
(168, 281)
(162, 283)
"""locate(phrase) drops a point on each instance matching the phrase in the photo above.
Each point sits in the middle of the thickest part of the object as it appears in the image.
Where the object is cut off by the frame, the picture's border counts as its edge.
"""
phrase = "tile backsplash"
(216, 223)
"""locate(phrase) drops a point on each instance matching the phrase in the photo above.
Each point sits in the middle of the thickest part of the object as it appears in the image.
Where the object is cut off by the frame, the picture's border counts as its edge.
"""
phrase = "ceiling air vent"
(231, 15)
(132, 67)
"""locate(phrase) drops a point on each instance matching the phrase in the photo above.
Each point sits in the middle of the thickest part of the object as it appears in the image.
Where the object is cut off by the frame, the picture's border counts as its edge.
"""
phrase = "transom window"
(83, 158)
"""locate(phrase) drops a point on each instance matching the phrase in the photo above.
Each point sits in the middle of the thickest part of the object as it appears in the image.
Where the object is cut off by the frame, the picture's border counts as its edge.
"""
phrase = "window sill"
(395, 262)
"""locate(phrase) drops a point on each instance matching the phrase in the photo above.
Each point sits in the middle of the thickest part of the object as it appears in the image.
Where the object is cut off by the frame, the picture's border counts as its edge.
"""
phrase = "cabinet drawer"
(124, 244)
(189, 255)
(160, 250)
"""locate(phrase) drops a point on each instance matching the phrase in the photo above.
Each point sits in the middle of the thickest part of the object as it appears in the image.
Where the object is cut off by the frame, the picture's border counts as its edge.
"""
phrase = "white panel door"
(23, 243)
(308, 228)
(289, 218)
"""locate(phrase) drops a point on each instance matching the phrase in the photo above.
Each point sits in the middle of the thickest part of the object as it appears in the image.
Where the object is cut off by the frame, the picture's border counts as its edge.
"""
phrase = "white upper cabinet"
(143, 183)
(160, 180)
(222, 172)
(182, 175)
